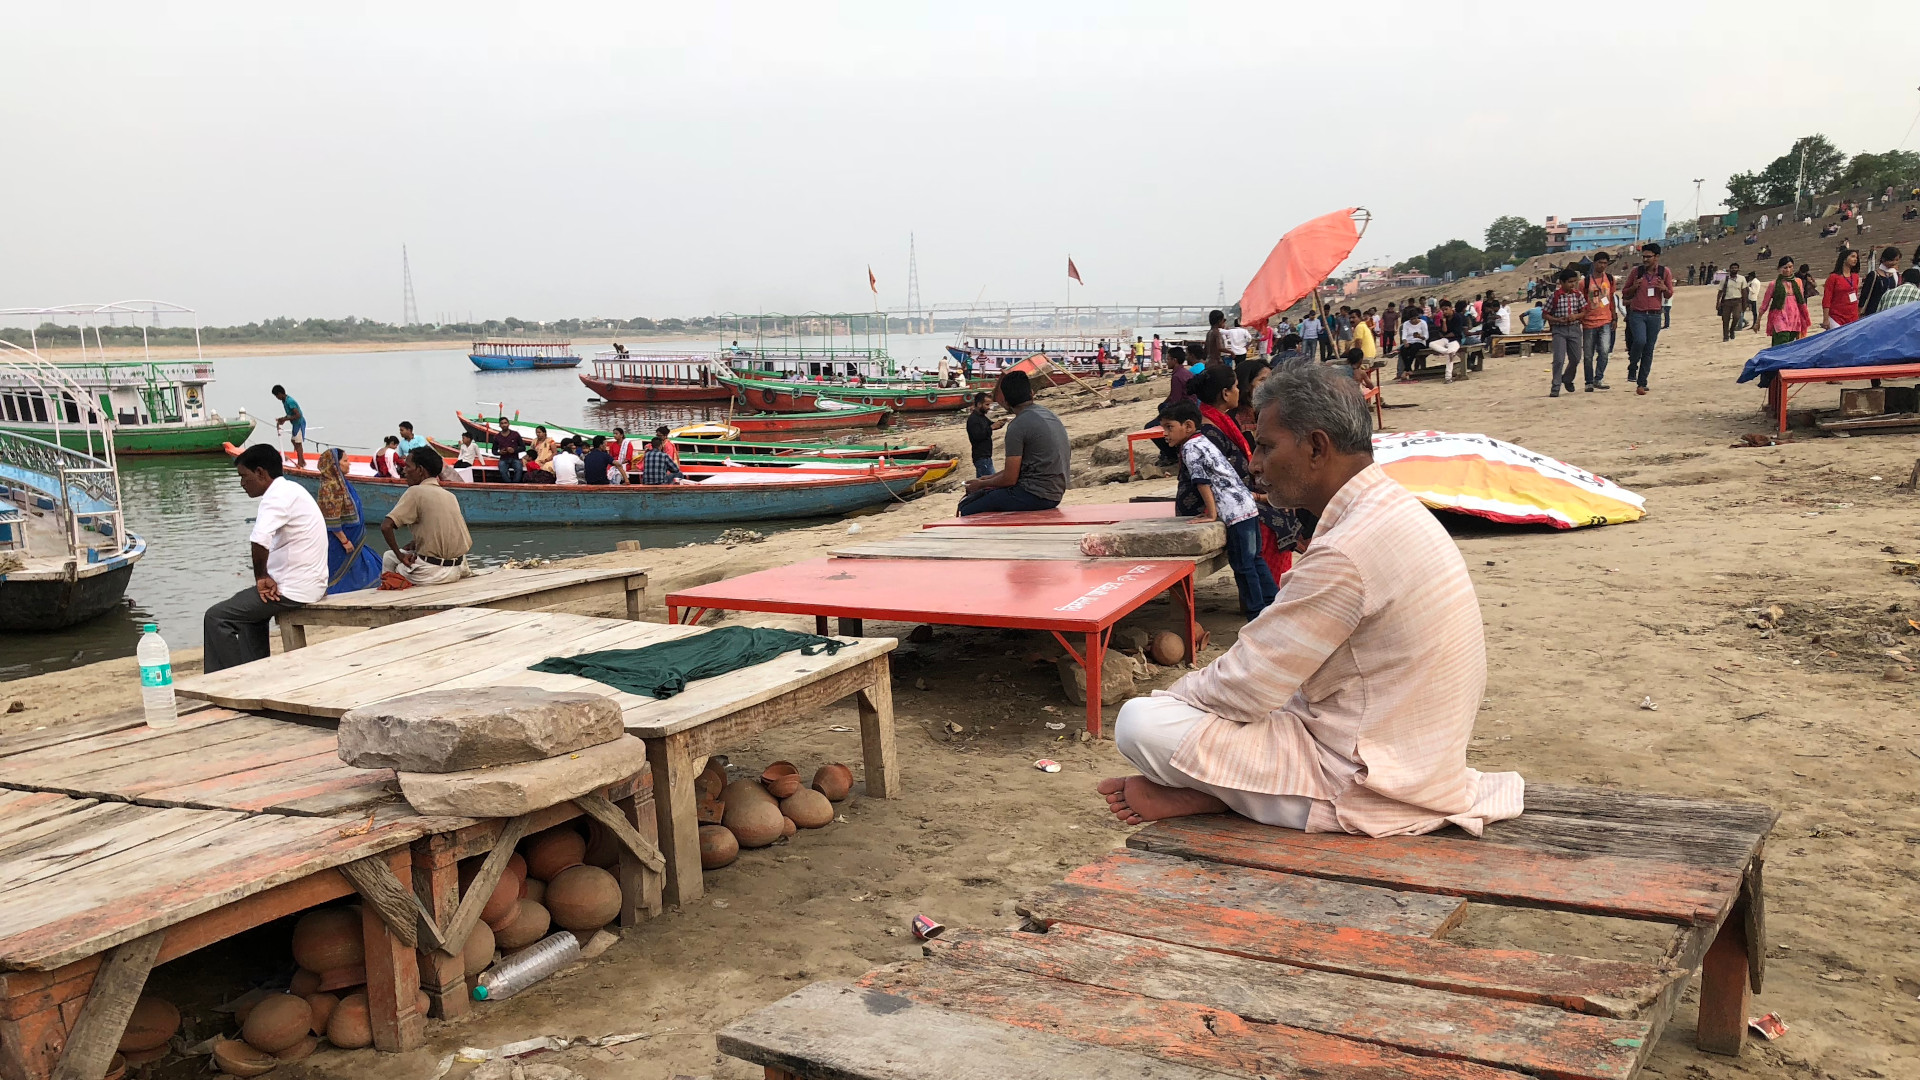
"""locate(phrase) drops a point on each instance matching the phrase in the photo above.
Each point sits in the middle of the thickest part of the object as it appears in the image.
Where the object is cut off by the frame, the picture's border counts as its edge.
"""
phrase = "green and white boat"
(153, 407)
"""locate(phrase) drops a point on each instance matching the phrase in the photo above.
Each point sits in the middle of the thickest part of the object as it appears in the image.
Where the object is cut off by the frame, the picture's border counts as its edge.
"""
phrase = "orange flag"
(1073, 271)
(873, 282)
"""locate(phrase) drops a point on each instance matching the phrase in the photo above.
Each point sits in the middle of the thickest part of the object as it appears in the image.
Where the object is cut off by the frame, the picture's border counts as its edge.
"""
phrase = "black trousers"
(236, 628)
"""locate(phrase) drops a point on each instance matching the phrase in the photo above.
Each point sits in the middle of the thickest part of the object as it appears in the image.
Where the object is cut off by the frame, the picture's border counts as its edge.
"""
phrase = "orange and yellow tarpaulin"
(1485, 477)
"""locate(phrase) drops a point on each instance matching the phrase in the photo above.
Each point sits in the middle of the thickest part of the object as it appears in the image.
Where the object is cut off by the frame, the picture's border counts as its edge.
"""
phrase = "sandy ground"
(1816, 716)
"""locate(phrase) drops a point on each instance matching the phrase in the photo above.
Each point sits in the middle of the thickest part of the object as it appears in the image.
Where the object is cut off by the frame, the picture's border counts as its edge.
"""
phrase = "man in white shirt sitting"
(567, 464)
(289, 544)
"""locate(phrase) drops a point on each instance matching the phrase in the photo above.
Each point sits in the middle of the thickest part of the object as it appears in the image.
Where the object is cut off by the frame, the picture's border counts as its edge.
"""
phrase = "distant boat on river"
(523, 355)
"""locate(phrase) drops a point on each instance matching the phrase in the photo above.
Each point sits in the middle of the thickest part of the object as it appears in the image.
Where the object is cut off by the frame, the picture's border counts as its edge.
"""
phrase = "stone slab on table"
(444, 731)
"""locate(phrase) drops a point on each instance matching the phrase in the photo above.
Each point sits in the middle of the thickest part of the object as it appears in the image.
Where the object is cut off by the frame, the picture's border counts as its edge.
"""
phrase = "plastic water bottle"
(528, 966)
(156, 679)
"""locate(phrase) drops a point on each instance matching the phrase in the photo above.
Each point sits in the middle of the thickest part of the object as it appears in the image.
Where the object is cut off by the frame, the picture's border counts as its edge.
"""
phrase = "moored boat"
(522, 355)
(482, 429)
(65, 552)
(796, 397)
(625, 377)
(711, 496)
(827, 418)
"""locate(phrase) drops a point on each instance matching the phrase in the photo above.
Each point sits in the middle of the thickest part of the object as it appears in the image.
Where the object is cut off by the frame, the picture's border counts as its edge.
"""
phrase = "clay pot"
(529, 924)
(277, 1022)
(328, 938)
(236, 1058)
(518, 864)
(304, 982)
(535, 890)
(706, 790)
(717, 847)
(116, 1067)
(921, 634)
(753, 822)
(583, 898)
(1167, 648)
(745, 791)
(603, 848)
(787, 827)
(808, 808)
(422, 1004)
(552, 851)
(135, 1058)
(781, 778)
(502, 904)
(344, 978)
(835, 781)
(479, 949)
(321, 1006)
(153, 1022)
(351, 1026)
(299, 1051)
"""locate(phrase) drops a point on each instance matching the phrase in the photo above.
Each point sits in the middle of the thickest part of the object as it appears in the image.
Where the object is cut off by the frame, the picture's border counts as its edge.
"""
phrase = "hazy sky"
(553, 159)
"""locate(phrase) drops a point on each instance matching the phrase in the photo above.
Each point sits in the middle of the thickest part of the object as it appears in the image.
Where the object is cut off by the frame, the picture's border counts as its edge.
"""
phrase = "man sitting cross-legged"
(1346, 706)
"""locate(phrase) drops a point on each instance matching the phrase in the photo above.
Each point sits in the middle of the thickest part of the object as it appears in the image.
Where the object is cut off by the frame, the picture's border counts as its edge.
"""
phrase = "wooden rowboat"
(787, 397)
(482, 429)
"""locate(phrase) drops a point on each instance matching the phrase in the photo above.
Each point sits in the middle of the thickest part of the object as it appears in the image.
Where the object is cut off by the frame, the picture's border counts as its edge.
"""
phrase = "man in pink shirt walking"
(1347, 705)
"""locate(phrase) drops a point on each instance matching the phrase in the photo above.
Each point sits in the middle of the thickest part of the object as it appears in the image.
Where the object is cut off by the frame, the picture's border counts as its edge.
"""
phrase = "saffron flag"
(1073, 271)
(873, 282)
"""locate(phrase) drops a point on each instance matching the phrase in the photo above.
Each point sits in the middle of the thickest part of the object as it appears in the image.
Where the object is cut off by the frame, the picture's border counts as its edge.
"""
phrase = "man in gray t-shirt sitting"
(1037, 447)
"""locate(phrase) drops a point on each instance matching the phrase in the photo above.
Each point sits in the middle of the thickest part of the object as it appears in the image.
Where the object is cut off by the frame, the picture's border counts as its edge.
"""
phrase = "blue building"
(1590, 233)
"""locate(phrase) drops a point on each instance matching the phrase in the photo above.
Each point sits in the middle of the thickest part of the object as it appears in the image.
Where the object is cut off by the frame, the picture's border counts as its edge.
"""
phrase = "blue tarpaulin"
(1890, 337)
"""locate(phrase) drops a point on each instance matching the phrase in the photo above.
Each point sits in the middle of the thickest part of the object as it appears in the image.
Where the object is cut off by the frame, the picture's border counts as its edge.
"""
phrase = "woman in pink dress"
(1783, 307)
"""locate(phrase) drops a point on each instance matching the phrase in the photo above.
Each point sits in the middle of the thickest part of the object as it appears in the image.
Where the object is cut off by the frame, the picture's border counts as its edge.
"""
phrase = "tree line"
(350, 329)
(1509, 239)
(1828, 170)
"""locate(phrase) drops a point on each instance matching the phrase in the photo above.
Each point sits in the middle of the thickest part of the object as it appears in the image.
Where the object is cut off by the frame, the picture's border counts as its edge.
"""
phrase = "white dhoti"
(1149, 731)
(422, 572)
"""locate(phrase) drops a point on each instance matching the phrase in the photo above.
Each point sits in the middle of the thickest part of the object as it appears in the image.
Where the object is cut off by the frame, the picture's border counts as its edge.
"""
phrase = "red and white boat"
(656, 378)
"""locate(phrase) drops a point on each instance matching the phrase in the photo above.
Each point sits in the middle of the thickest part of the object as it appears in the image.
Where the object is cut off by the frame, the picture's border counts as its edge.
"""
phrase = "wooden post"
(393, 986)
(1723, 987)
(292, 635)
(436, 881)
(103, 1018)
(875, 705)
(673, 803)
(852, 627)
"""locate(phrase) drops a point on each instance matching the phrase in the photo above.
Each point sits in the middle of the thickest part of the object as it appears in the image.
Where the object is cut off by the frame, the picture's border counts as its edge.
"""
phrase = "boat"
(523, 355)
(827, 418)
(713, 496)
(482, 429)
(625, 377)
(65, 552)
(1077, 354)
(155, 407)
(797, 397)
(701, 464)
(802, 362)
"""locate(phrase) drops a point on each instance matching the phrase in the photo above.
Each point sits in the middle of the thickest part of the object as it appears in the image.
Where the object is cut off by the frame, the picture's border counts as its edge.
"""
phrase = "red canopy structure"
(1300, 262)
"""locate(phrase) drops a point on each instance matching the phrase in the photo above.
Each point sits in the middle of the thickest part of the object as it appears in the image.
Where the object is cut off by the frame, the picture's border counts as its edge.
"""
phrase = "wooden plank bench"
(1522, 344)
(471, 647)
(1215, 946)
(537, 589)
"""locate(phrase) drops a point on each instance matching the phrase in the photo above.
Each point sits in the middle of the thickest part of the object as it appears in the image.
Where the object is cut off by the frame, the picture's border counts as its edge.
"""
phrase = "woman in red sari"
(1841, 303)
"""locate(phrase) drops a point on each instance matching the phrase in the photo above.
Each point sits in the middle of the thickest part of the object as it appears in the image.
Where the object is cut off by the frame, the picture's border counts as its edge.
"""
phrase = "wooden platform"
(1217, 946)
(471, 647)
(505, 590)
(950, 541)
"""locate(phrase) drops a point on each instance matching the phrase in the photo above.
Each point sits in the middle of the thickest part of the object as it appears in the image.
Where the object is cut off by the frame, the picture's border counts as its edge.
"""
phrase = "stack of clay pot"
(327, 999)
(755, 812)
(154, 1022)
(557, 880)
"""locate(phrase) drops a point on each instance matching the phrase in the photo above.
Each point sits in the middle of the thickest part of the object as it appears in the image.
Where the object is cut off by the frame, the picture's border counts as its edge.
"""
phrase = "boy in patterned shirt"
(1205, 471)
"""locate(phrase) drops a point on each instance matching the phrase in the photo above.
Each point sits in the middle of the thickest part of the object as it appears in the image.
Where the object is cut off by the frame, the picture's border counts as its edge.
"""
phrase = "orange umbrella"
(1300, 262)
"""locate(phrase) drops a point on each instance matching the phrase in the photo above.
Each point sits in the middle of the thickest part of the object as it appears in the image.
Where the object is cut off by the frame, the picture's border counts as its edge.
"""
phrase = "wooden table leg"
(820, 625)
(393, 986)
(436, 880)
(292, 635)
(639, 886)
(103, 1018)
(1096, 649)
(875, 704)
(636, 600)
(852, 627)
(1723, 987)
(673, 806)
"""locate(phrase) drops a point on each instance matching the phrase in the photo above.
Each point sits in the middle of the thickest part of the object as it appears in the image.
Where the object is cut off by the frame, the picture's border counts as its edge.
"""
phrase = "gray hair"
(1319, 397)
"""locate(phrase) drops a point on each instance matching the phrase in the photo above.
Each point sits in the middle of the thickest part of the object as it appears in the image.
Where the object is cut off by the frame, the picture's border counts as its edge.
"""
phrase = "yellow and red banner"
(1485, 477)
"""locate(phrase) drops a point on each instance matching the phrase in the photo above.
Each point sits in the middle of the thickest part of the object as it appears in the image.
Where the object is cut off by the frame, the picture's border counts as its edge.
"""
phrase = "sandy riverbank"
(1817, 718)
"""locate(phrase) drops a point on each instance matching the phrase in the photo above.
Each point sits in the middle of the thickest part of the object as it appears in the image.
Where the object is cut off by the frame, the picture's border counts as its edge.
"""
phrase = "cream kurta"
(1358, 687)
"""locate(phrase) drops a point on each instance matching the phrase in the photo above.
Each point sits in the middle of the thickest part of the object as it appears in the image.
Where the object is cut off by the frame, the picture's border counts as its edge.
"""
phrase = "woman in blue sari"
(351, 564)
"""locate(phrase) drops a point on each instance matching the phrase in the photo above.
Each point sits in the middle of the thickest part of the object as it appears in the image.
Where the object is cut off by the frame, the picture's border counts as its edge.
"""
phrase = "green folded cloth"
(665, 669)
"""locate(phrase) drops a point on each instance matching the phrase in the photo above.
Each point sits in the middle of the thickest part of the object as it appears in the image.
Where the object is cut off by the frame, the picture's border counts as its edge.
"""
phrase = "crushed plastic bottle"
(528, 966)
(156, 679)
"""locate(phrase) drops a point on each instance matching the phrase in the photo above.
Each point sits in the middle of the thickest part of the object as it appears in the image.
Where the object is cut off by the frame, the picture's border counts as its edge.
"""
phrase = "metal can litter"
(1047, 764)
(926, 929)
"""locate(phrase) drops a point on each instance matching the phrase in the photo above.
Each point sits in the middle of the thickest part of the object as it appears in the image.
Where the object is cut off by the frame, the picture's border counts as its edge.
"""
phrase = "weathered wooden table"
(503, 590)
(1221, 947)
(1061, 542)
(471, 647)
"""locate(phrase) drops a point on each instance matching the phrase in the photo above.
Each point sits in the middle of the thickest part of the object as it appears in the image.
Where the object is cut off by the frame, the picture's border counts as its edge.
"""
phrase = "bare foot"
(1137, 800)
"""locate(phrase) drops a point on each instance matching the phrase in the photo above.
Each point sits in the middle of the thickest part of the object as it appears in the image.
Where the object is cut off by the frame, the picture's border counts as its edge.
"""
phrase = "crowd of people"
(1781, 305)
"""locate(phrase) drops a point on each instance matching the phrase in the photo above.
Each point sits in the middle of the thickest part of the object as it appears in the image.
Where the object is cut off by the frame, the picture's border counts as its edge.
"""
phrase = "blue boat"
(523, 355)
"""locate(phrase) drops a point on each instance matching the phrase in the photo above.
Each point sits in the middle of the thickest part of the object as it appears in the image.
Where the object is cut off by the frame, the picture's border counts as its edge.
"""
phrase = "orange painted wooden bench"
(1217, 946)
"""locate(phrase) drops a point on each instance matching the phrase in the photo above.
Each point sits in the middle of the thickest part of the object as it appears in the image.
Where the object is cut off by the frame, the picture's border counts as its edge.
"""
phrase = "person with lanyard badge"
(1881, 281)
(1647, 287)
(1783, 307)
(1596, 325)
(1566, 308)
(438, 550)
(298, 418)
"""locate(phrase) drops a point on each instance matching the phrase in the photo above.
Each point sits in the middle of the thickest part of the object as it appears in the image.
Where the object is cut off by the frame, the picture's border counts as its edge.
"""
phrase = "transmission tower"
(913, 284)
(409, 310)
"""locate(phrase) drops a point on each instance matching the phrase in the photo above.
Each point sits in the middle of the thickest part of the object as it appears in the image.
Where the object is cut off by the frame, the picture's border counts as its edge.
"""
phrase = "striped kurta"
(1358, 687)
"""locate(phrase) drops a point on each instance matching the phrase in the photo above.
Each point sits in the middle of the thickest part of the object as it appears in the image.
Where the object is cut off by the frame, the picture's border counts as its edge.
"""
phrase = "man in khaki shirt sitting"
(440, 543)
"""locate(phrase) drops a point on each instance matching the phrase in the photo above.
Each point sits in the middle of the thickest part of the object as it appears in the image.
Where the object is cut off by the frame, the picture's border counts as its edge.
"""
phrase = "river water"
(195, 518)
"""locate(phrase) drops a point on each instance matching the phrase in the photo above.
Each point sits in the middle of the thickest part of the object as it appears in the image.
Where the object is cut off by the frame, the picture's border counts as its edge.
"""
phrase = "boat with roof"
(523, 355)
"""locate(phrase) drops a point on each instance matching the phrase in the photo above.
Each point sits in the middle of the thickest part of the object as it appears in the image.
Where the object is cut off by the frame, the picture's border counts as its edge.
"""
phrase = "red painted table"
(1093, 514)
(1779, 392)
(1059, 596)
